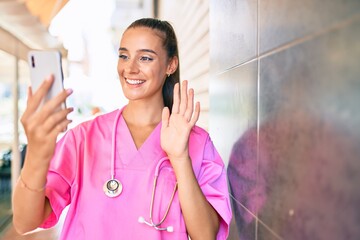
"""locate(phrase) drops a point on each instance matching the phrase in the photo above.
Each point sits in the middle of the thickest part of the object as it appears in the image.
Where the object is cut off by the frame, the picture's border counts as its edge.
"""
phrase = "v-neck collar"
(133, 157)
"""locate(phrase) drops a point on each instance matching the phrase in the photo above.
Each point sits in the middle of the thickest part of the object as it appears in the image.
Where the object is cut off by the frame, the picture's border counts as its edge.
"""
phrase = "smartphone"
(42, 64)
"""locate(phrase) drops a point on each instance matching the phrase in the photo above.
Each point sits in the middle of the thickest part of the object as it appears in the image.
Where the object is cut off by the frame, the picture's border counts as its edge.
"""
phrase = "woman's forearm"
(30, 206)
(202, 221)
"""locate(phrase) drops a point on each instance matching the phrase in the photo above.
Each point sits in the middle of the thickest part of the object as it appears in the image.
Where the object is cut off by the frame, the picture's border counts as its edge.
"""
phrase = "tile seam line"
(311, 36)
(258, 219)
(295, 42)
(237, 65)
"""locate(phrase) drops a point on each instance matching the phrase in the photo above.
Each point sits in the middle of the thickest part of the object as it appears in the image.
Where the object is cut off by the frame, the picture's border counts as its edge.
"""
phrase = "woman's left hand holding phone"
(44, 123)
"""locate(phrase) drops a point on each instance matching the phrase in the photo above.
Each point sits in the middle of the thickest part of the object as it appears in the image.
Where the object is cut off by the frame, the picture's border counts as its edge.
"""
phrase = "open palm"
(176, 126)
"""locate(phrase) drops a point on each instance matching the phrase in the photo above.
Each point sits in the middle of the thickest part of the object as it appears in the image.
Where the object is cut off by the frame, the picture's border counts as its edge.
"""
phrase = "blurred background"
(278, 82)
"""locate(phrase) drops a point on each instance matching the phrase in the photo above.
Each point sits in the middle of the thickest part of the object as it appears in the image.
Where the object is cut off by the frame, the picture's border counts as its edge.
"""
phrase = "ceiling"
(24, 25)
(45, 10)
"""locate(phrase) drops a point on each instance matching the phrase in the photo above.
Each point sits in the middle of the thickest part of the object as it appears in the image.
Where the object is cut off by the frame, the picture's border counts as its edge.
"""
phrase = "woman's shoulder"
(199, 137)
(89, 130)
(100, 121)
(199, 132)
(103, 117)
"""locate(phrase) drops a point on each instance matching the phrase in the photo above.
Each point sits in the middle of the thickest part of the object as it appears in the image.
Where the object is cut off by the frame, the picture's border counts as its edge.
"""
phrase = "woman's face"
(143, 64)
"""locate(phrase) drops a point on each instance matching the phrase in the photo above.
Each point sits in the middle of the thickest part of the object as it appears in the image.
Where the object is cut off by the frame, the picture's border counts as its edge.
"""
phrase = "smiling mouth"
(134, 81)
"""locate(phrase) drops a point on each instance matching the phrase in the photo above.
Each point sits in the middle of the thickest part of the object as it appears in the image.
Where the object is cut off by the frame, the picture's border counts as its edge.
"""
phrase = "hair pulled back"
(168, 36)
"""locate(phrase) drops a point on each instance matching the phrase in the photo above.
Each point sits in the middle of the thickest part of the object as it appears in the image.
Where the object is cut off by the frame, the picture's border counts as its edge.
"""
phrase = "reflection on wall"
(286, 117)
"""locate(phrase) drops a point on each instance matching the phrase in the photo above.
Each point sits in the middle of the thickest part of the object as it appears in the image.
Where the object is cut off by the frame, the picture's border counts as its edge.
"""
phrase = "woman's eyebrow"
(147, 50)
(140, 50)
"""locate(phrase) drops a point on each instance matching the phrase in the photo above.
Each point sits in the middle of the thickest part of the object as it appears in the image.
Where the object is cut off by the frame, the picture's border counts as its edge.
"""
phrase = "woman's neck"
(139, 113)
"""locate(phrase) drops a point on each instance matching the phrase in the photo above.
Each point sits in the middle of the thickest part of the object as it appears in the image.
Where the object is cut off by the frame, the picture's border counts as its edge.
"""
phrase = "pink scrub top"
(82, 164)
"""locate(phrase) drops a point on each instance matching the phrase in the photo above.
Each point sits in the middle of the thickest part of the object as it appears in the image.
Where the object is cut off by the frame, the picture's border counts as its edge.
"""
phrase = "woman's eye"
(145, 59)
(124, 57)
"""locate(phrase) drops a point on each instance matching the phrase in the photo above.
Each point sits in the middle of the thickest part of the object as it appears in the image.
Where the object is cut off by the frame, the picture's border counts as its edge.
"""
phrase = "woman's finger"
(183, 97)
(28, 101)
(196, 114)
(190, 105)
(59, 128)
(29, 94)
(40, 93)
(55, 119)
(176, 99)
(165, 117)
(34, 99)
(54, 104)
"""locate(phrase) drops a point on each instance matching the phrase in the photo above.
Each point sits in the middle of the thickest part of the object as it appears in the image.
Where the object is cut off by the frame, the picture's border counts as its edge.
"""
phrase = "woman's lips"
(134, 81)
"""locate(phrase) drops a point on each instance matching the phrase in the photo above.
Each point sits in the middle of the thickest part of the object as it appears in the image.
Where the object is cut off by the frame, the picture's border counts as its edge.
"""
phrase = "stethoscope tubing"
(156, 175)
(157, 171)
(113, 147)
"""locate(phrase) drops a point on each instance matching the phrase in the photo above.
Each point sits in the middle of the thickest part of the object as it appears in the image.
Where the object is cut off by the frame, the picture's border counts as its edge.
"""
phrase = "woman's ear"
(173, 65)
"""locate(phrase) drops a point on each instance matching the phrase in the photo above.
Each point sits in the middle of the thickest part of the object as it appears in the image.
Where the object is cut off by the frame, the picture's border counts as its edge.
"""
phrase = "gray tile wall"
(285, 115)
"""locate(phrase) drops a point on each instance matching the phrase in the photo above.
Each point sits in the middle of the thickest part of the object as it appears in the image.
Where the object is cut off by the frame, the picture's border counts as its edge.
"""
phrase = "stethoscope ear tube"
(168, 229)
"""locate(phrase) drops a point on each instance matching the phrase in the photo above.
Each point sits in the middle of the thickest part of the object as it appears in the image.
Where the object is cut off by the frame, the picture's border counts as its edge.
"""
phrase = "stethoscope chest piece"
(112, 188)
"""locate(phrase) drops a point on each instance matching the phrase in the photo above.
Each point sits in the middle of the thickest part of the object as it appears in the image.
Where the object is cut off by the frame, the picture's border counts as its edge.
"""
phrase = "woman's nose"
(131, 66)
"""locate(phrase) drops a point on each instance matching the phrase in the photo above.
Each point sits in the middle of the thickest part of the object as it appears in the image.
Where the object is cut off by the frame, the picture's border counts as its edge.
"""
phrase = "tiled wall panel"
(232, 106)
(234, 32)
(284, 21)
(293, 152)
(309, 138)
(233, 111)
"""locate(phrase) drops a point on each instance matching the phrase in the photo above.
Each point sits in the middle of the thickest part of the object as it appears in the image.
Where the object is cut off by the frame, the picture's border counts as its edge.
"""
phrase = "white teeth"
(134, 82)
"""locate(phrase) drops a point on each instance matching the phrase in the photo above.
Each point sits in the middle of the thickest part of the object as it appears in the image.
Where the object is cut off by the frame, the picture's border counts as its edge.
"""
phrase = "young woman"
(145, 171)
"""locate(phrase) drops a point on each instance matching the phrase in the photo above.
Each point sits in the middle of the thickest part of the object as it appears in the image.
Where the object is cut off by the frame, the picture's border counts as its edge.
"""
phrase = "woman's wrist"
(24, 185)
(33, 176)
(182, 167)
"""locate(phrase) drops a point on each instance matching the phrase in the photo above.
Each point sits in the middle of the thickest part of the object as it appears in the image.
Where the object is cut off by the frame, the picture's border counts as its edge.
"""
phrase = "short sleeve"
(213, 182)
(60, 178)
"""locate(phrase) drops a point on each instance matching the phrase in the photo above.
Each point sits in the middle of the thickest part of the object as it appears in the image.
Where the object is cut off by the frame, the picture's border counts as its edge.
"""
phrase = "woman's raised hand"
(42, 124)
(176, 126)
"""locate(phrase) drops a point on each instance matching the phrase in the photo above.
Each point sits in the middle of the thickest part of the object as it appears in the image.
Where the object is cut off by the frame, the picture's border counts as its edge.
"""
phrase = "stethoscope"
(113, 187)
(151, 222)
